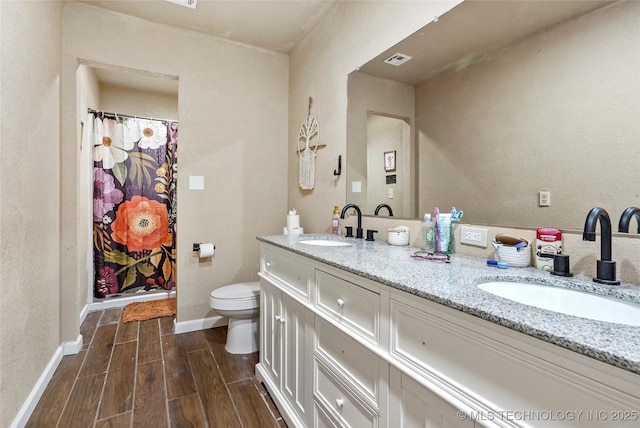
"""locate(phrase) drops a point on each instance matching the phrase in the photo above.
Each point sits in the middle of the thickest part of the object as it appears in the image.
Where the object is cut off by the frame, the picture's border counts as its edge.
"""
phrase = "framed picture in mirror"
(390, 161)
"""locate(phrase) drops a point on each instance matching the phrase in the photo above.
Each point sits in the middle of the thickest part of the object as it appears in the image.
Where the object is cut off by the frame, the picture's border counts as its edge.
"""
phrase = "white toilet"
(241, 304)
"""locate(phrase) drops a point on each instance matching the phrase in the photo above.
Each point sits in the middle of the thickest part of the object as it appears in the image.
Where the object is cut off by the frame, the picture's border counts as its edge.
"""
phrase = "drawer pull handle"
(340, 302)
(277, 317)
(339, 402)
(281, 320)
(267, 265)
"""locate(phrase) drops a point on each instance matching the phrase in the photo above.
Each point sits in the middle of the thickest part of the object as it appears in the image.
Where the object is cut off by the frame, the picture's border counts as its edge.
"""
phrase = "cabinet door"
(414, 406)
(270, 330)
(297, 355)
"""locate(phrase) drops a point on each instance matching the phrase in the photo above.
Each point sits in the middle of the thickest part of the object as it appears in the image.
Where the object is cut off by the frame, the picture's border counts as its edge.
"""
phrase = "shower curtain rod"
(114, 115)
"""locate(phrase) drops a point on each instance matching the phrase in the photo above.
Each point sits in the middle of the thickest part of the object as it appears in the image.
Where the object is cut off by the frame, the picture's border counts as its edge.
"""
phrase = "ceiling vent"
(186, 3)
(397, 59)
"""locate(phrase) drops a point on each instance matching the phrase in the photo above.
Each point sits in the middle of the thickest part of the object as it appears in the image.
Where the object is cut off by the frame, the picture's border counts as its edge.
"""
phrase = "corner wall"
(30, 193)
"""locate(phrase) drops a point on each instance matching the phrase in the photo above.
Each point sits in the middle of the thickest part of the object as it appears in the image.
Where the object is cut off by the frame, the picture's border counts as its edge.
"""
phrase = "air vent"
(186, 3)
(397, 59)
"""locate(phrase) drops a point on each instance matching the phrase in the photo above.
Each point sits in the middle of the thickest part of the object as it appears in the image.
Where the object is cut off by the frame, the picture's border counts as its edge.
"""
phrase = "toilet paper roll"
(207, 250)
(293, 221)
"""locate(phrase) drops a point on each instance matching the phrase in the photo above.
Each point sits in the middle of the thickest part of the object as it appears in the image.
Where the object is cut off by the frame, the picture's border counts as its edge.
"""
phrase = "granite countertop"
(454, 285)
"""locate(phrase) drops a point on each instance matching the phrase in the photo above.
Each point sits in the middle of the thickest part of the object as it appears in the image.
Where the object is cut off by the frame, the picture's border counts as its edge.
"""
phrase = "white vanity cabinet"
(340, 350)
(286, 332)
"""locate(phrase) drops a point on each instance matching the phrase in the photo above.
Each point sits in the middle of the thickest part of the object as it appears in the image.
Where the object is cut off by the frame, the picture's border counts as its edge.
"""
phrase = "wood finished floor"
(140, 374)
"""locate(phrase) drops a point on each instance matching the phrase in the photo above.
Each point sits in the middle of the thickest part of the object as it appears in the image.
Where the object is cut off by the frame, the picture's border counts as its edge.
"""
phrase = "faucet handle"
(370, 234)
(606, 272)
(349, 231)
(561, 265)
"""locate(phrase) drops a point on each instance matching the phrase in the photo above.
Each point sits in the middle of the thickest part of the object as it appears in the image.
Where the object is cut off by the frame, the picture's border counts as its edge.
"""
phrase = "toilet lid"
(239, 291)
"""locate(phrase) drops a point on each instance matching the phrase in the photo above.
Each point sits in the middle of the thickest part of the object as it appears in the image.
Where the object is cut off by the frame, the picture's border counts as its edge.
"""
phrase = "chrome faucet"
(626, 217)
(355, 207)
(606, 268)
(379, 207)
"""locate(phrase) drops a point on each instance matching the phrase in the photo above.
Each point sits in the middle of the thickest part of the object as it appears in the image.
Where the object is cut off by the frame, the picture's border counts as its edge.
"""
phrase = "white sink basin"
(567, 301)
(324, 243)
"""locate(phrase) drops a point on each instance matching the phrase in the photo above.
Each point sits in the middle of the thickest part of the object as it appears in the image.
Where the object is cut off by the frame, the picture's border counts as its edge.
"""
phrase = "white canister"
(399, 236)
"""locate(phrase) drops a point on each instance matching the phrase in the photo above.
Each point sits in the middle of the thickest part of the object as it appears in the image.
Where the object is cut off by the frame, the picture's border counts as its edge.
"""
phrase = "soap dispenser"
(335, 221)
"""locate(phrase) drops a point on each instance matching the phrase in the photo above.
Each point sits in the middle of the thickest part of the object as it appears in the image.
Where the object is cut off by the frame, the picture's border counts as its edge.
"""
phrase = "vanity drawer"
(340, 403)
(353, 361)
(491, 369)
(288, 270)
(321, 419)
(352, 306)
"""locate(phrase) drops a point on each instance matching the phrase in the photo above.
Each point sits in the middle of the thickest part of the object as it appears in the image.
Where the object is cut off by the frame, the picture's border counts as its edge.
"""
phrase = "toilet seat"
(243, 295)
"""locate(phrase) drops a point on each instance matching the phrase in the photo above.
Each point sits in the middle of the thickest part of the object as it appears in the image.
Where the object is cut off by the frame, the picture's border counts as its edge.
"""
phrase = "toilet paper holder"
(196, 246)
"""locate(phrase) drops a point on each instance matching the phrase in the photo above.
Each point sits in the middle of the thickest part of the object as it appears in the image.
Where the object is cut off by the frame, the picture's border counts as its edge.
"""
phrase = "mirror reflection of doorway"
(388, 185)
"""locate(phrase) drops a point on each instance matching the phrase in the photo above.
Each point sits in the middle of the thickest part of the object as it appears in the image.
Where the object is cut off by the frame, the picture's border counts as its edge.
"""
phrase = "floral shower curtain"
(134, 204)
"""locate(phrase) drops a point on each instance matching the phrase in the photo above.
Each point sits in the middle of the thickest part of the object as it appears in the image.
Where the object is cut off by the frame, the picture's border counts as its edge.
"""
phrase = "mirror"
(505, 100)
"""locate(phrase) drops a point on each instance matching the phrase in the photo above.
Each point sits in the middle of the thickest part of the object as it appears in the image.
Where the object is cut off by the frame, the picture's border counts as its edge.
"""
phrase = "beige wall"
(119, 99)
(352, 34)
(557, 111)
(88, 96)
(233, 117)
(29, 190)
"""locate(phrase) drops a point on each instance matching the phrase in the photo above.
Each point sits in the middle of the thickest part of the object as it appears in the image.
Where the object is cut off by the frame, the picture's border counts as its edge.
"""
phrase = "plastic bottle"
(445, 234)
(335, 221)
(428, 233)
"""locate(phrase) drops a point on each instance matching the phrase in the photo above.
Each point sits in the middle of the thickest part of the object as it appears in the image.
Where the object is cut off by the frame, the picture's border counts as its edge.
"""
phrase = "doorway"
(129, 170)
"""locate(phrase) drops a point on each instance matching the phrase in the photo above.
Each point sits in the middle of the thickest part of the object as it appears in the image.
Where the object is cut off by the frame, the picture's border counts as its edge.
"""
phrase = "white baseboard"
(200, 324)
(34, 396)
(119, 302)
(83, 313)
(70, 348)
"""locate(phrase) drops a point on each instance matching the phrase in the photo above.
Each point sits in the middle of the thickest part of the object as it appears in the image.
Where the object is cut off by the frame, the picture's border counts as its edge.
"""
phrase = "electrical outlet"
(476, 236)
(390, 192)
(544, 198)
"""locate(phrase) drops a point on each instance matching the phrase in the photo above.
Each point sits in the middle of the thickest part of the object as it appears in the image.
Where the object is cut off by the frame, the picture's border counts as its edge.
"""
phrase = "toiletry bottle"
(548, 244)
(428, 233)
(335, 221)
(446, 235)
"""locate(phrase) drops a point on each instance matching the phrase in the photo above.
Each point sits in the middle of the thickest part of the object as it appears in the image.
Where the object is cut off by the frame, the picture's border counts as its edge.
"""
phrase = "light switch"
(390, 192)
(196, 182)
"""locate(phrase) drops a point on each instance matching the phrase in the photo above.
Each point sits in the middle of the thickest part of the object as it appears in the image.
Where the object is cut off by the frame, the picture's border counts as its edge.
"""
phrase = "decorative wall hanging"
(308, 139)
